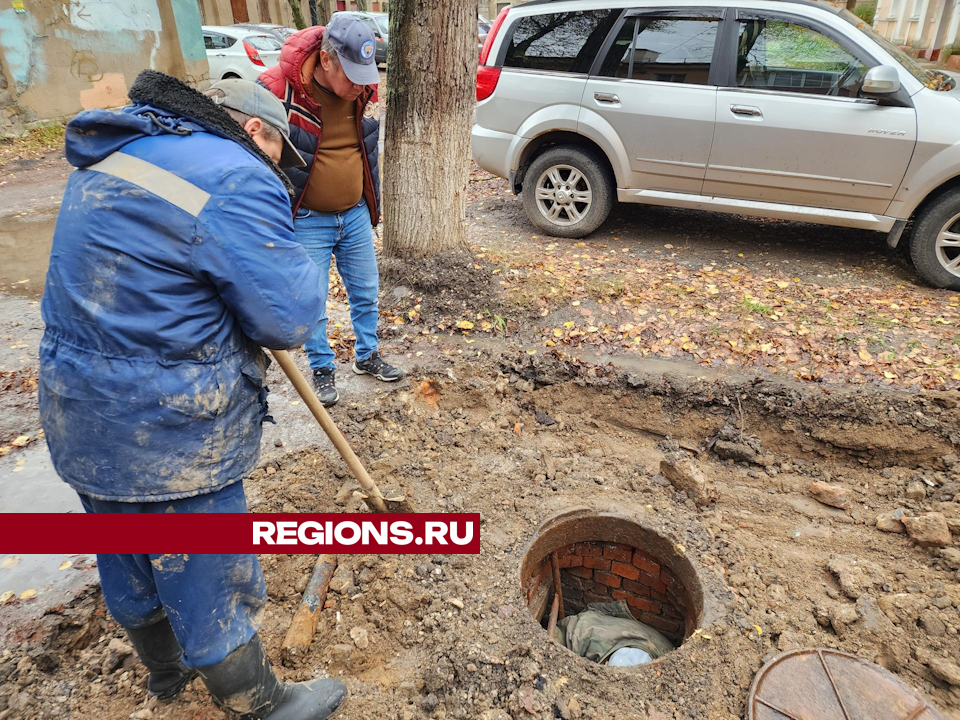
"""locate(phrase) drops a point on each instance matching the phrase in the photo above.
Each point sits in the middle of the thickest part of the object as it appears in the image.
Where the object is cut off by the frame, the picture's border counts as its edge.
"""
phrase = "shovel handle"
(309, 397)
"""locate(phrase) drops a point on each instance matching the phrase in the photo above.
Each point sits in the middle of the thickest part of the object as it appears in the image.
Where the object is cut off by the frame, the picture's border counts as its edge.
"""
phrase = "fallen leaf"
(66, 564)
(6, 597)
(465, 325)
(21, 441)
(27, 594)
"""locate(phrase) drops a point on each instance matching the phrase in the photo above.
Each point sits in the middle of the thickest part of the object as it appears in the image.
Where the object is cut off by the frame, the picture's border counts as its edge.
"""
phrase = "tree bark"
(432, 63)
(297, 14)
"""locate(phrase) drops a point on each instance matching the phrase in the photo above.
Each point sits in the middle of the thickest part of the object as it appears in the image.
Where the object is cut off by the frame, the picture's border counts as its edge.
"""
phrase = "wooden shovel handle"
(289, 367)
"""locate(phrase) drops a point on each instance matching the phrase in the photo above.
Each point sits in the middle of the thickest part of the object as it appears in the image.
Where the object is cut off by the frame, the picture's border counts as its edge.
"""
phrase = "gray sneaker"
(324, 380)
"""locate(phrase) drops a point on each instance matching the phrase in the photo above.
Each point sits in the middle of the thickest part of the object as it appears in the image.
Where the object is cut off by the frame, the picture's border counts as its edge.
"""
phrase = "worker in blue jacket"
(173, 262)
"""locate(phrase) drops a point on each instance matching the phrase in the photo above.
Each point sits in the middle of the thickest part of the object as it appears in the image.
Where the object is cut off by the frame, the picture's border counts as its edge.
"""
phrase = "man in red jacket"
(325, 78)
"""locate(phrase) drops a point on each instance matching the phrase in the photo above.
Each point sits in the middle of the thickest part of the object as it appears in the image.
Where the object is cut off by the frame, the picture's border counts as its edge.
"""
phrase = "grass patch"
(36, 143)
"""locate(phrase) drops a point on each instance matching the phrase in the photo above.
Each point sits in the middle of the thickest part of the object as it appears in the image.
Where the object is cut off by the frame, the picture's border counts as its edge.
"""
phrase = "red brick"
(636, 588)
(646, 563)
(624, 570)
(596, 563)
(595, 587)
(653, 582)
(662, 623)
(621, 553)
(670, 580)
(662, 597)
(607, 579)
(644, 605)
(565, 552)
(588, 549)
(594, 598)
(581, 572)
(571, 561)
(619, 595)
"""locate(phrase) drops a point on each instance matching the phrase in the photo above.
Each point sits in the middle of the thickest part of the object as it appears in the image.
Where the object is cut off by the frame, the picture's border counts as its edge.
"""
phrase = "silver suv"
(773, 108)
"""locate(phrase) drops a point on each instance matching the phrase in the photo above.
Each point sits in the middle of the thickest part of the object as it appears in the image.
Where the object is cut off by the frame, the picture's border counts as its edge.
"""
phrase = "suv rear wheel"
(935, 245)
(568, 191)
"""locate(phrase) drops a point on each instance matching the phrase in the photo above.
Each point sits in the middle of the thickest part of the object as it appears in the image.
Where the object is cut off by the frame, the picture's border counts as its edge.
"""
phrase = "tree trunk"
(297, 14)
(851, 5)
(430, 97)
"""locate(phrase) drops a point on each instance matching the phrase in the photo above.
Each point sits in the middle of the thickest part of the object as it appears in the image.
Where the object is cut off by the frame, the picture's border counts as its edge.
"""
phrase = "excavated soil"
(527, 438)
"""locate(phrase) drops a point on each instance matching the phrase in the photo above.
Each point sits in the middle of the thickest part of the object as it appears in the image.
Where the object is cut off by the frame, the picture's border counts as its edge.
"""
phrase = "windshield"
(384, 23)
(932, 79)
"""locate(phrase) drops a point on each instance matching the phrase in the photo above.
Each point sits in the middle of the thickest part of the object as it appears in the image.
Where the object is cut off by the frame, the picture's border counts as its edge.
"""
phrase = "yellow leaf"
(9, 562)
(575, 303)
(557, 332)
(569, 324)
(531, 352)
(27, 594)
(781, 284)
(592, 329)
(21, 441)
(6, 597)
(486, 325)
(766, 347)
(465, 325)
(65, 565)
(865, 356)
(889, 375)
(550, 343)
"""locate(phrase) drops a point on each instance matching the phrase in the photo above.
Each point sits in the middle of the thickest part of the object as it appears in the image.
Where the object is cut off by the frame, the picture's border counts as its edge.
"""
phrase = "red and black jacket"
(288, 81)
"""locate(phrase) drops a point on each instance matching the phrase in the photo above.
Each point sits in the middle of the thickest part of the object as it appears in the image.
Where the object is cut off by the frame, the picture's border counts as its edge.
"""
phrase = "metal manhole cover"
(823, 684)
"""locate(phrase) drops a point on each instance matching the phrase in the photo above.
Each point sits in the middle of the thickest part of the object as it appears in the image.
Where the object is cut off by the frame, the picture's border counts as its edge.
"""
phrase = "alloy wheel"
(564, 195)
(948, 245)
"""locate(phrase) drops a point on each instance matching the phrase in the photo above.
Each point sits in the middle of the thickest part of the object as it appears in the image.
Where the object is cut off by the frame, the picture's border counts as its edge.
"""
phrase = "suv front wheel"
(935, 245)
(568, 191)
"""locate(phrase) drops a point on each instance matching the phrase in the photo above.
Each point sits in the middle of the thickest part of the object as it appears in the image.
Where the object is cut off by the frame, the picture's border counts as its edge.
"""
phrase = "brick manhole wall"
(604, 572)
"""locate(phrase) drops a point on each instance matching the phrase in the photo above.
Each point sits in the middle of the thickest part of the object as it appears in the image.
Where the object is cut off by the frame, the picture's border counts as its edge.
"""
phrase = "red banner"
(279, 533)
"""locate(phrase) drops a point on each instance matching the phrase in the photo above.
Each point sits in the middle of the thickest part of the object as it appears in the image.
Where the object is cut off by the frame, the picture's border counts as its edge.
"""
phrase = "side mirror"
(881, 80)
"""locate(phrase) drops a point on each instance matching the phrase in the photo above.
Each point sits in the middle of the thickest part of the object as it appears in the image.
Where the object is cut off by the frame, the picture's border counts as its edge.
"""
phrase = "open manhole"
(605, 558)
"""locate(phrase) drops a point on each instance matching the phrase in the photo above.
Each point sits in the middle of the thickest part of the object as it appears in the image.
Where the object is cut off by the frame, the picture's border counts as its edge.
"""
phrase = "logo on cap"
(366, 50)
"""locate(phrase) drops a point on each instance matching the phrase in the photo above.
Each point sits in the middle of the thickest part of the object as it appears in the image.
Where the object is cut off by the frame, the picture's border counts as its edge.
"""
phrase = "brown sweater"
(336, 180)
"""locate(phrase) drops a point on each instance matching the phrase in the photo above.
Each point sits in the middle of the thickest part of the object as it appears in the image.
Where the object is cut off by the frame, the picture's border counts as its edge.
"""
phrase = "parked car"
(238, 52)
(785, 109)
(280, 32)
(379, 23)
(483, 29)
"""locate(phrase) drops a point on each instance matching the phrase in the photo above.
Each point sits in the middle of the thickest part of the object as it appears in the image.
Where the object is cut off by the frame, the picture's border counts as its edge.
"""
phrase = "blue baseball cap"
(356, 48)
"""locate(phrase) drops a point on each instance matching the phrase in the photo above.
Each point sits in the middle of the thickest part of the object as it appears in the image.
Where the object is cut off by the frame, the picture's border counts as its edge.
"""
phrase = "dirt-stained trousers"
(213, 602)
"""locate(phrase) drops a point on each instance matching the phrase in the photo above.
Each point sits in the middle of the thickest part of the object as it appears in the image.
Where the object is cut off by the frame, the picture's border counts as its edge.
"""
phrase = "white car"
(238, 52)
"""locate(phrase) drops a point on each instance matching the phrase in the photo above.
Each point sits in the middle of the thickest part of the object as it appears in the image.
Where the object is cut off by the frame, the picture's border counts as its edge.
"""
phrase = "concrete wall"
(926, 25)
(271, 12)
(59, 57)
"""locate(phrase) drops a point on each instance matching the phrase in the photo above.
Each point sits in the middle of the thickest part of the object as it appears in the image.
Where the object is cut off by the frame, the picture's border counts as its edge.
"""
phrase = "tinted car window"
(560, 42)
(778, 55)
(663, 49)
(264, 42)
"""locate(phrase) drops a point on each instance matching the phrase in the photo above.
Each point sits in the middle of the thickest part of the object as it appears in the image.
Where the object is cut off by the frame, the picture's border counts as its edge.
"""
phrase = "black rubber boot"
(160, 652)
(244, 683)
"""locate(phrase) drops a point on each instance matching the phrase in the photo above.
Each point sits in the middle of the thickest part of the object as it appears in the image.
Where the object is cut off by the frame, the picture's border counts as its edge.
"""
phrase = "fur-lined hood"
(161, 104)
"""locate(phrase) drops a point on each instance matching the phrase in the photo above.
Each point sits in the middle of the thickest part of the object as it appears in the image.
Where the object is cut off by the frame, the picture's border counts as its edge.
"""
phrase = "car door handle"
(746, 110)
(221, 55)
(606, 98)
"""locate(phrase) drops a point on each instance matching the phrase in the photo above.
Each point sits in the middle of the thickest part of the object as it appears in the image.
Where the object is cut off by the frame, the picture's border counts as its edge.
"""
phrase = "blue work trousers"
(213, 602)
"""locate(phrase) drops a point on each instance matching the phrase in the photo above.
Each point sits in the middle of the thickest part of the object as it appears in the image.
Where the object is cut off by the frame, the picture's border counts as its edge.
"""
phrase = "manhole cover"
(822, 684)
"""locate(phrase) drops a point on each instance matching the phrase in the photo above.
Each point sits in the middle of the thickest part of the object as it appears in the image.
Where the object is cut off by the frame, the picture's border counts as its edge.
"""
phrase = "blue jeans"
(213, 602)
(348, 236)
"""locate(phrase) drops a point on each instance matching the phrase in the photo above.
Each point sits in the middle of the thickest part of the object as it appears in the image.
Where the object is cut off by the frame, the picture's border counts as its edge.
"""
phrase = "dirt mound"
(529, 437)
(446, 284)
